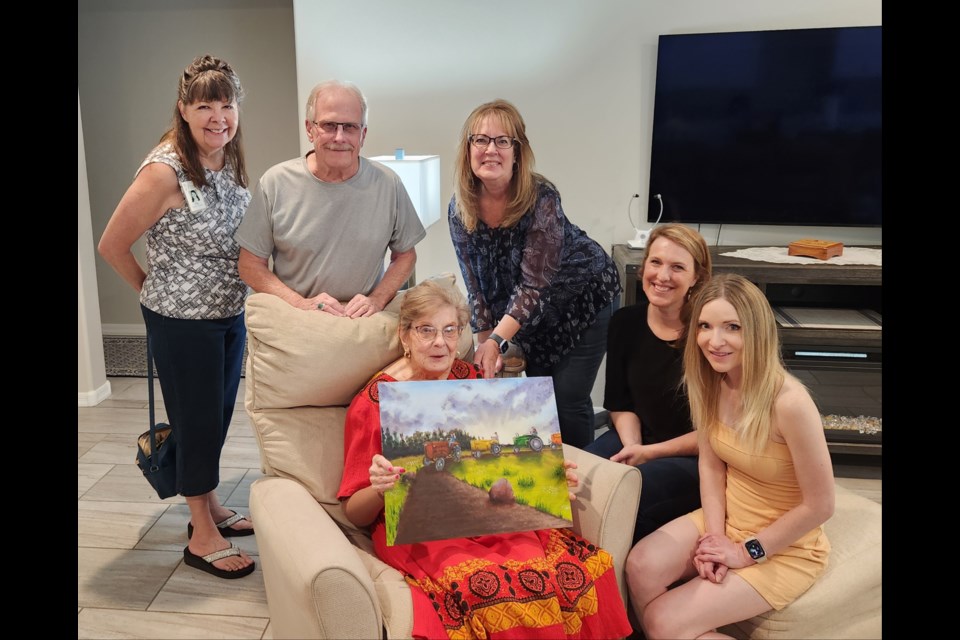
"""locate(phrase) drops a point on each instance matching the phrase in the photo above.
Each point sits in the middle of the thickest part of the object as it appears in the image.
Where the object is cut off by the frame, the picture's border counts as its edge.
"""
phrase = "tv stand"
(841, 367)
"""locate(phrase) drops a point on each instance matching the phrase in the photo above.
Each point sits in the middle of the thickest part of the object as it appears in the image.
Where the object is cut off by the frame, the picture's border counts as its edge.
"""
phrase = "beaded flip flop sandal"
(225, 527)
(205, 563)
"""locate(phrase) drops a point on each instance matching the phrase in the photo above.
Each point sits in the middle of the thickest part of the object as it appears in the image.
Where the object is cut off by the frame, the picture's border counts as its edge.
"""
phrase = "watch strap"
(501, 343)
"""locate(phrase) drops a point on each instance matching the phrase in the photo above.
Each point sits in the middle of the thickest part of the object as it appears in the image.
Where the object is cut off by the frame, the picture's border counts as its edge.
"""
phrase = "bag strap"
(153, 424)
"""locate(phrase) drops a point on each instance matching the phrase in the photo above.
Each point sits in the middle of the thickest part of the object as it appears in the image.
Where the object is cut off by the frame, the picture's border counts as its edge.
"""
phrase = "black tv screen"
(769, 127)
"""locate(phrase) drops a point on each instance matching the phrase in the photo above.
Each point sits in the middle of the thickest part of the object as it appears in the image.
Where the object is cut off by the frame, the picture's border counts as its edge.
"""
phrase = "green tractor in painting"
(531, 440)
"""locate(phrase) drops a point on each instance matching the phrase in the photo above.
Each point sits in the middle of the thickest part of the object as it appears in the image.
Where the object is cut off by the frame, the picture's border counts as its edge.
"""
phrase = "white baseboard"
(123, 330)
(95, 397)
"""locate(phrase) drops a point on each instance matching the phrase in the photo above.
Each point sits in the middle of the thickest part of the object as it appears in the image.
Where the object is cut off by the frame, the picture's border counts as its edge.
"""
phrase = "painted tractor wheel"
(516, 449)
(440, 464)
(427, 461)
(456, 454)
(536, 444)
(476, 454)
(495, 449)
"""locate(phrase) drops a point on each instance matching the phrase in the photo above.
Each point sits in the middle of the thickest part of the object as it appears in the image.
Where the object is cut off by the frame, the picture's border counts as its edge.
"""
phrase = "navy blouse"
(544, 271)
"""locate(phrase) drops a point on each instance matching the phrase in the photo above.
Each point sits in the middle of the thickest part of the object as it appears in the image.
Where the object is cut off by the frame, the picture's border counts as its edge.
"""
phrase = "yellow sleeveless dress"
(760, 488)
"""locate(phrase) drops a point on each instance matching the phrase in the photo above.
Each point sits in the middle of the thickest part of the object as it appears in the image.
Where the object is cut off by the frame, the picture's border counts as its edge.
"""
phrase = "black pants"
(670, 489)
(573, 379)
(198, 363)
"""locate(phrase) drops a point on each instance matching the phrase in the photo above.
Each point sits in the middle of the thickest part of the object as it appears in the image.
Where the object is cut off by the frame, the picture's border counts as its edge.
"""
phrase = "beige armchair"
(322, 578)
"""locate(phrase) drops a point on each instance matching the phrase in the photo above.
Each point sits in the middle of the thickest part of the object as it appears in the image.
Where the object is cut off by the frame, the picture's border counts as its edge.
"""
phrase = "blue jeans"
(198, 363)
(671, 486)
(573, 379)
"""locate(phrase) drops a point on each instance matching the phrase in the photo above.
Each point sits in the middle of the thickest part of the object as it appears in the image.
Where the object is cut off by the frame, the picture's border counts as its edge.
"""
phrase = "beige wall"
(582, 73)
(130, 55)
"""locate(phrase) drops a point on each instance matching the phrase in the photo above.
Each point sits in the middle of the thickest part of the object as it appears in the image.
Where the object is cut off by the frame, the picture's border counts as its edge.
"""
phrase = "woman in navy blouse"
(533, 277)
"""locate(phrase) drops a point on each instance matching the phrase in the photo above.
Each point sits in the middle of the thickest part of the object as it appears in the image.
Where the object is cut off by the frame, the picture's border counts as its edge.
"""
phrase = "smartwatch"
(755, 549)
(501, 343)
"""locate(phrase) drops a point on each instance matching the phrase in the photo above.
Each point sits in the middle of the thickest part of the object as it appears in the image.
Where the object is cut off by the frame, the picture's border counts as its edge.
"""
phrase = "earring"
(406, 352)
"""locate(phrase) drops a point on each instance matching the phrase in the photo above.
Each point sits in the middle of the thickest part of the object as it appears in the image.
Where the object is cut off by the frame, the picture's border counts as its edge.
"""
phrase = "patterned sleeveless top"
(192, 257)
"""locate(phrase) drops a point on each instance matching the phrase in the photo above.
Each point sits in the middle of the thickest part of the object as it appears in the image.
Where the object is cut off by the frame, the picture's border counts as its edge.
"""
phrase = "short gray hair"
(338, 84)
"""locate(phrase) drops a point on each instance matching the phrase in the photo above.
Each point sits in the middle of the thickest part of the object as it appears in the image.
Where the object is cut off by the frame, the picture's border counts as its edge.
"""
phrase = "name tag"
(193, 196)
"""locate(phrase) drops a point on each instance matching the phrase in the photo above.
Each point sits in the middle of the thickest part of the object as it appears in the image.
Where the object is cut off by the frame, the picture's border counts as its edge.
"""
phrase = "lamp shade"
(421, 178)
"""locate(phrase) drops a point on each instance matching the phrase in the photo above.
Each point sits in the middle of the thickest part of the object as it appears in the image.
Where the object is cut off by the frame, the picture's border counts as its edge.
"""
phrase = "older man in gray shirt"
(327, 219)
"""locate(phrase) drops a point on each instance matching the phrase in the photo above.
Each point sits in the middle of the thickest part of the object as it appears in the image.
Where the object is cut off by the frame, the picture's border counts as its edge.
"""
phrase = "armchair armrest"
(311, 571)
(605, 511)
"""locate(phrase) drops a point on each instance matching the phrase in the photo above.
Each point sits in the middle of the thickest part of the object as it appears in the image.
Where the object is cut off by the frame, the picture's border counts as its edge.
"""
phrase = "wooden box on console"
(821, 249)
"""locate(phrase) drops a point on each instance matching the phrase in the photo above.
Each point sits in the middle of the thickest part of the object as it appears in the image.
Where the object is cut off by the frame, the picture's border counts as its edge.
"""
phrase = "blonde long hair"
(525, 181)
(762, 366)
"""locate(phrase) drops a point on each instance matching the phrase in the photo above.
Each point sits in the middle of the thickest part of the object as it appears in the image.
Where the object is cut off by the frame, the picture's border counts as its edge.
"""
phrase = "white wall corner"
(95, 397)
(92, 385)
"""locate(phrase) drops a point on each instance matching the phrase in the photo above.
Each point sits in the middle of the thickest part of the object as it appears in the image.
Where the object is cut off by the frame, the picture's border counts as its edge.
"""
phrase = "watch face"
(755, 549)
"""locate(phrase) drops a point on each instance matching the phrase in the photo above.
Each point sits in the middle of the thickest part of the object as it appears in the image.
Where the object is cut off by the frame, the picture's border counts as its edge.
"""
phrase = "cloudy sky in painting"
(479, 407)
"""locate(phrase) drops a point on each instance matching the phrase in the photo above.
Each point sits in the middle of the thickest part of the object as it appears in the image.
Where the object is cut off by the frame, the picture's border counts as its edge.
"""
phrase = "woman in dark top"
(649, 410)
(532, 275)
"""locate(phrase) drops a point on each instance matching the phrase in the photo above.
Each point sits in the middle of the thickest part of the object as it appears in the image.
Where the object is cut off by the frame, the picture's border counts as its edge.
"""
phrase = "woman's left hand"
(487, 357)
(720, 549)
(572, 479)
(631, 454)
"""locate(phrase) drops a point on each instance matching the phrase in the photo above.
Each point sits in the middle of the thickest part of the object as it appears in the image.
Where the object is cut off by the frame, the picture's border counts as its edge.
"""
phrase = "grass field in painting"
(538, 480)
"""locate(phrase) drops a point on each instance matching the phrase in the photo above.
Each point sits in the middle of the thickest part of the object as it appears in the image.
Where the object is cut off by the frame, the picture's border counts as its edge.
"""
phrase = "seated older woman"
(551, 583)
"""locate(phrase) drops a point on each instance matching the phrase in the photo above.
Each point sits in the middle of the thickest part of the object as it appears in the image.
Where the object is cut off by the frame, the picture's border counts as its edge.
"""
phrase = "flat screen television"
(769, 127)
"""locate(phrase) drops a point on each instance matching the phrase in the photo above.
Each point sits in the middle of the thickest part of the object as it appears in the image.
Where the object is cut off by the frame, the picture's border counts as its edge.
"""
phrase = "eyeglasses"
(349, 128)
(428, 333)
(481, 141)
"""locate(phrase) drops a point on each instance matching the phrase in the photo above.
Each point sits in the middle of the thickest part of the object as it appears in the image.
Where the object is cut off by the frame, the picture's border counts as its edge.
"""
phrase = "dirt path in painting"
(441, 506)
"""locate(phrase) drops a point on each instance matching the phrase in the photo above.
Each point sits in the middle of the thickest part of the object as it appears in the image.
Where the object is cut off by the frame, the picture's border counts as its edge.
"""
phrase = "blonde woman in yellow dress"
(766, 480)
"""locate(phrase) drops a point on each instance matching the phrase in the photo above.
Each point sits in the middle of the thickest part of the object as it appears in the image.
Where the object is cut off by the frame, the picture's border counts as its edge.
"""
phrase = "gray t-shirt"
(328, 237)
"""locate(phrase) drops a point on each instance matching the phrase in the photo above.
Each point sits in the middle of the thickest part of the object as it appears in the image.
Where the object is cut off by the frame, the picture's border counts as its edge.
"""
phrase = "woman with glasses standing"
(549, 583)
(188, 198)
(533, 277)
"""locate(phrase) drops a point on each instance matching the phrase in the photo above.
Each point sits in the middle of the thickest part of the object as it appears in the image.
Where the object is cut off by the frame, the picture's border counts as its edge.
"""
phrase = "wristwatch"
(501, 343)
(755, 549)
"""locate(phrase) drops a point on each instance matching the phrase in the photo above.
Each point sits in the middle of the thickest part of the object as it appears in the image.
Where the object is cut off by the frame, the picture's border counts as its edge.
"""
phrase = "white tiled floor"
(131, 580)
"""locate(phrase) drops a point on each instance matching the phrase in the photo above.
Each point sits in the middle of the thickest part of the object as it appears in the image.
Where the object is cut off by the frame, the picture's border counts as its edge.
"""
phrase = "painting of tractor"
(478, 447)
(555, 440)
(528, 440)
(437, 452)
